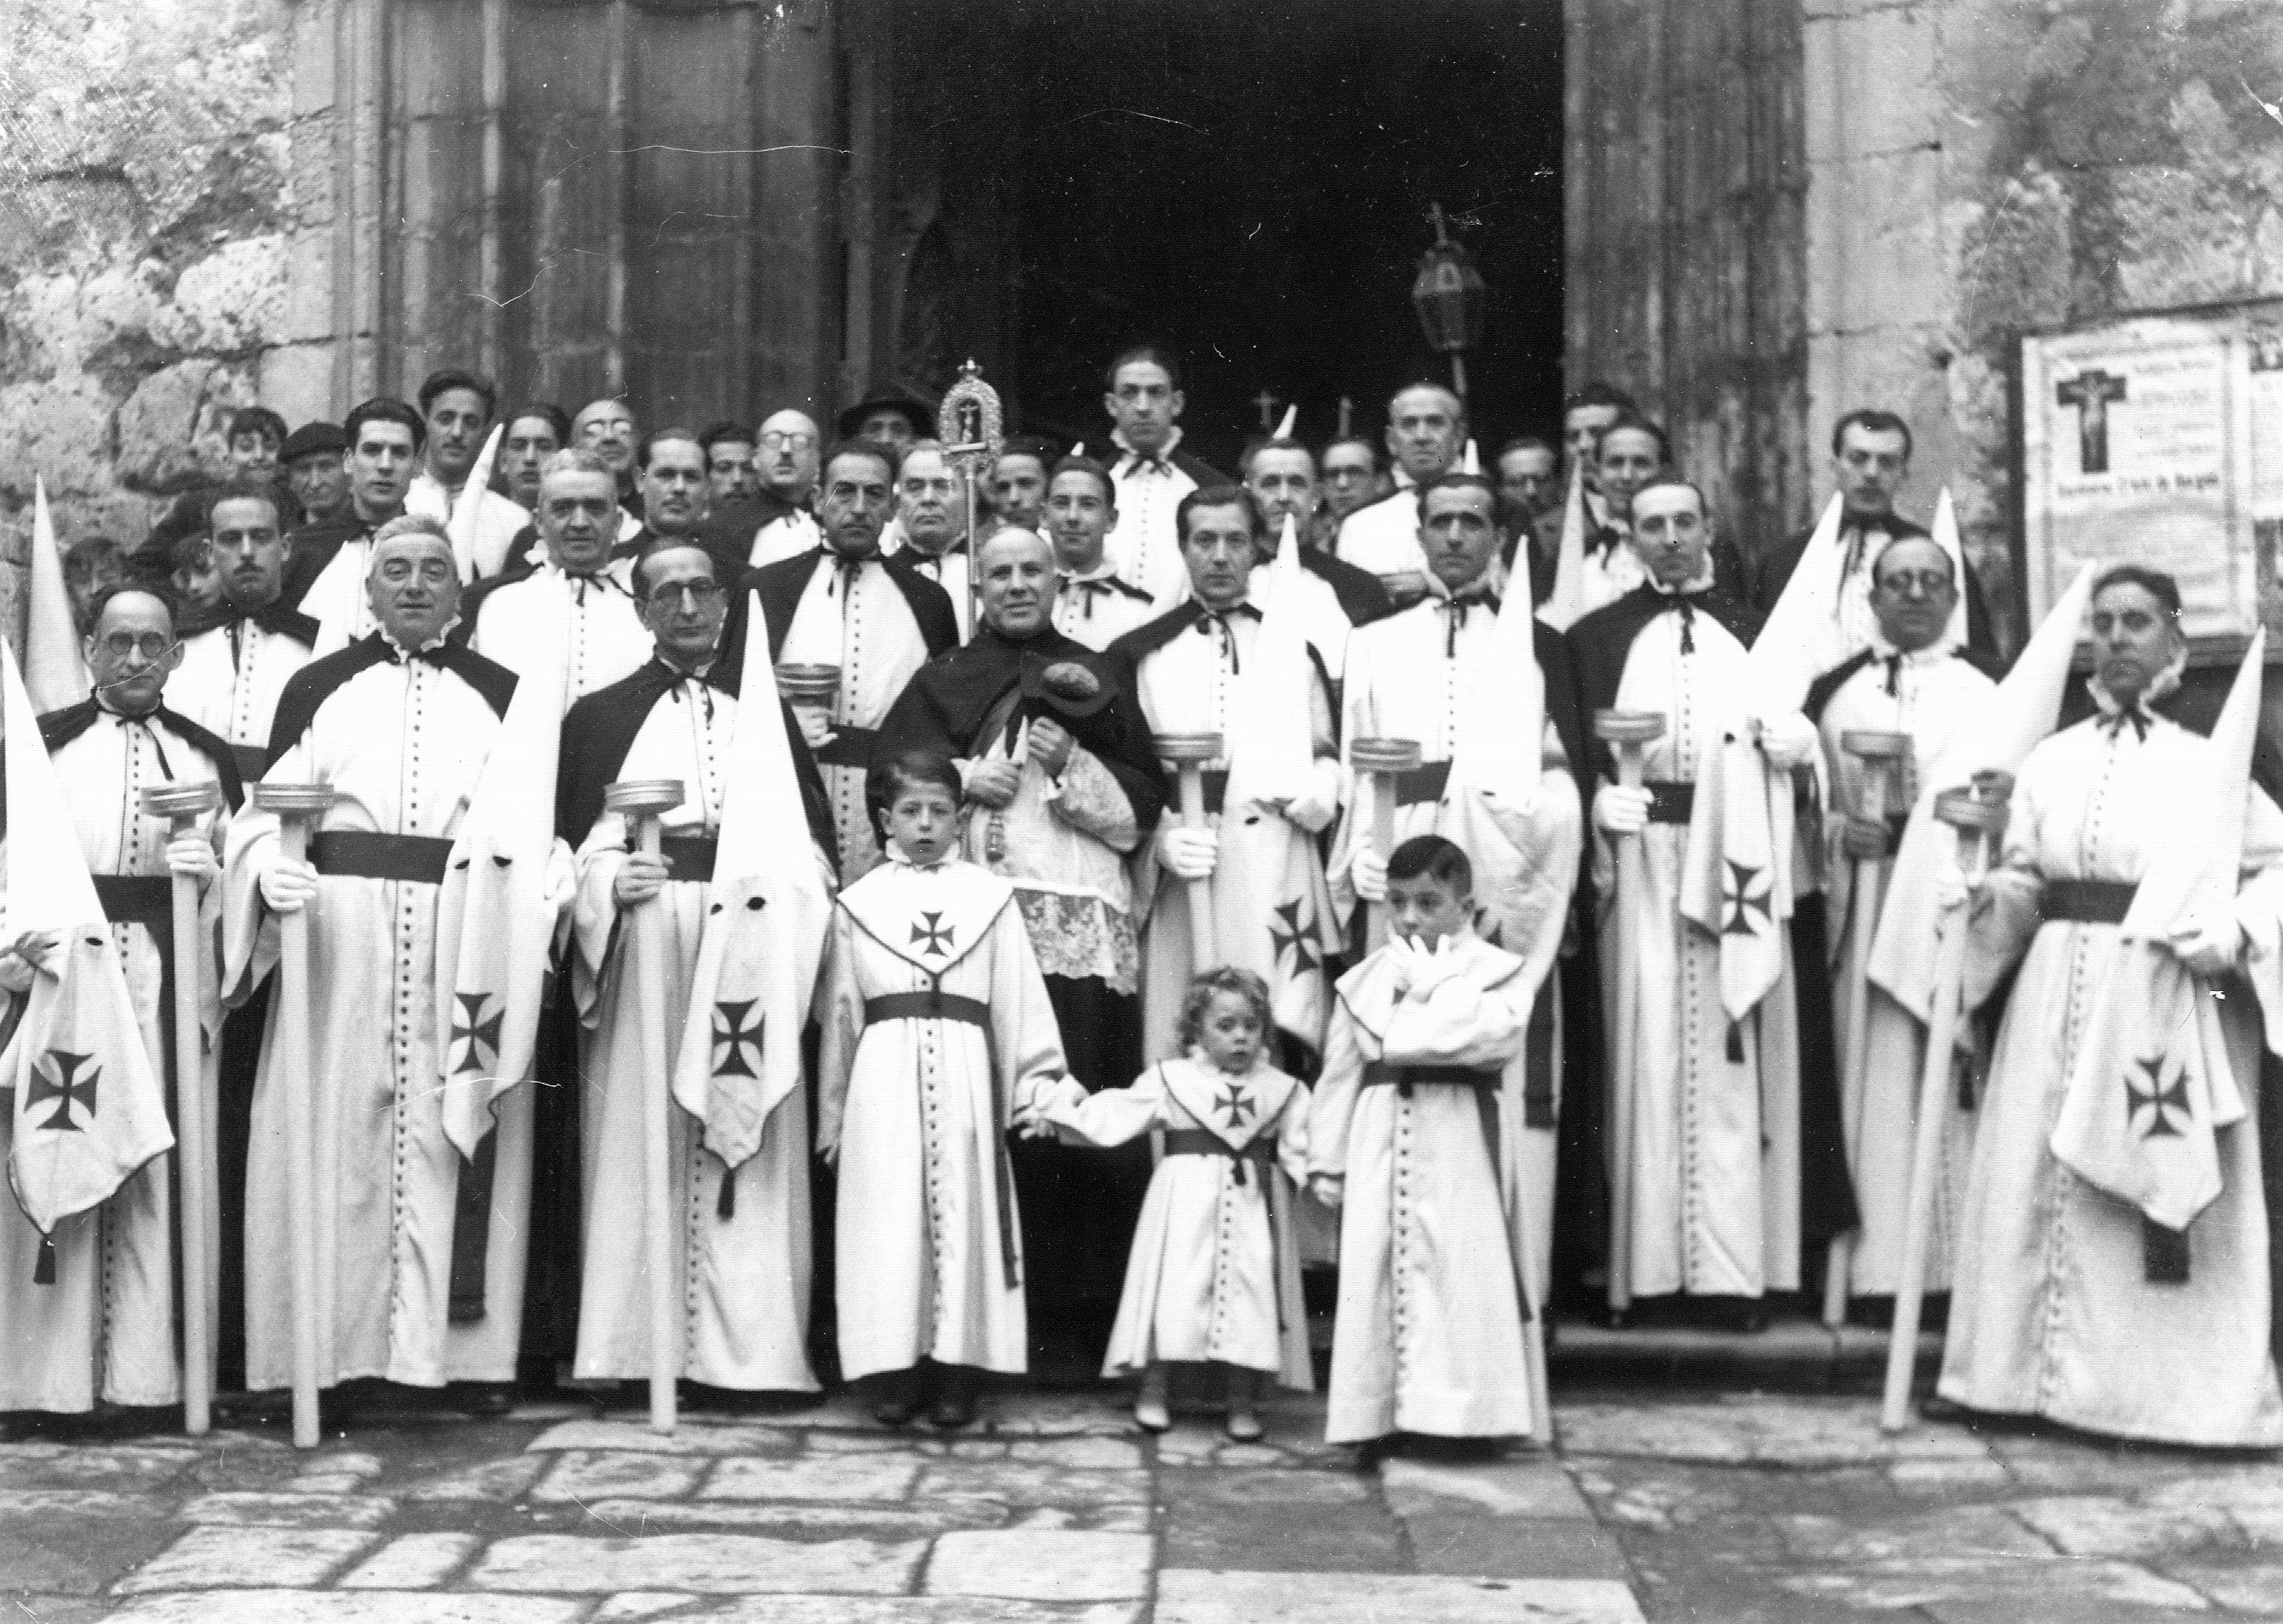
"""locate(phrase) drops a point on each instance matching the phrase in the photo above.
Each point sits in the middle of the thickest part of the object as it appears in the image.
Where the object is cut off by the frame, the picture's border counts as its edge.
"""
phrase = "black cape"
(58, 728)
(780, 585)
(310, 687)
(600, 728)
(278, 619)
(949, 699)
(1820, 690)
(1362, 599)
(1764, 582)
(1600, 642)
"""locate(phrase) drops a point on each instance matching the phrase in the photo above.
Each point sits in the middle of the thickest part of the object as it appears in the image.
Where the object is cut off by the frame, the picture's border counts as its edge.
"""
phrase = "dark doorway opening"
(1251, 184)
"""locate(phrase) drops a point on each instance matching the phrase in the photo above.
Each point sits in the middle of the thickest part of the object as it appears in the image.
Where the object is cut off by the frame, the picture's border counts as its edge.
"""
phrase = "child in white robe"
(1403, 1134)
(1214, 1275)
(938, 1036)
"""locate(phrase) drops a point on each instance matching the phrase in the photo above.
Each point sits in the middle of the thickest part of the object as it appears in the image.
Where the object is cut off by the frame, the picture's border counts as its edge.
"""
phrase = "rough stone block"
(297, 381)
(825, 1477)
(1505, 1488)
(413, 1562)
(1039, 1565)
(58, 430)
(592, 1474)
(217, 1559)
(291, 1510)
(157, 426)
(708, 1564)
(229, 302)
(1189, 1596)
(346, 1608)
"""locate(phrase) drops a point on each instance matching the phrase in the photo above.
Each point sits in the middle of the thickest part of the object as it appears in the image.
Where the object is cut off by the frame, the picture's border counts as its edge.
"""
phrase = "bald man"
(778, 520)
(399, 725)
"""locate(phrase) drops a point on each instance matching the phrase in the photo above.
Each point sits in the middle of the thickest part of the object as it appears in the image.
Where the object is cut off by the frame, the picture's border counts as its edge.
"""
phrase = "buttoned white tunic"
(105, 1329)
(403, 742)
(588, 626)
(744, 1278)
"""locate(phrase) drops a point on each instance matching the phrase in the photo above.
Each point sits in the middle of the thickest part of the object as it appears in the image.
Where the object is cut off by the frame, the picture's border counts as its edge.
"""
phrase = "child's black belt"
(929, 1006)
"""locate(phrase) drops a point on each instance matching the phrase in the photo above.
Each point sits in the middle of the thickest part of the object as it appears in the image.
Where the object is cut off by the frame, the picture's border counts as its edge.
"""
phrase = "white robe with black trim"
(915, 1108)
(403, 742)
(230, 685)
(588, 627)
(105, 1329)
(1935, 691)
(744, 1278)
(1429, 1336)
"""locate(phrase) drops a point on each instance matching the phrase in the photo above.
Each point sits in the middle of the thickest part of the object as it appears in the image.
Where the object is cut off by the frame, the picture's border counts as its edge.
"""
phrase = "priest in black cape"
(1061, 783)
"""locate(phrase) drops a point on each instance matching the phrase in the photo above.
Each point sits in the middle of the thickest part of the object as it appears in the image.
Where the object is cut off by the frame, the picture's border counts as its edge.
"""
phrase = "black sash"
(1424, 783)
(138, 899)
(1669, 801)
(253, 760)
(1203, 1142)
(363, 855)
(851, 747)
(2086, 902)
(692, 855)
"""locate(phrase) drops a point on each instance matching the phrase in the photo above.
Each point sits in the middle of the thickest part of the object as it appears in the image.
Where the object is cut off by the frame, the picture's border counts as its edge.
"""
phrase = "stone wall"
(1978, 169)
(144, 202)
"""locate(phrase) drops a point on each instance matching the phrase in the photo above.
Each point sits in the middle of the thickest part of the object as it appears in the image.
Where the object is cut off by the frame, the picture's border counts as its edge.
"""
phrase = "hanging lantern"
(1449, 295)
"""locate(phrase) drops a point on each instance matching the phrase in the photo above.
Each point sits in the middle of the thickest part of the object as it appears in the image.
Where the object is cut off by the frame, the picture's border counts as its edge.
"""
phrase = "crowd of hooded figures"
(500, 896)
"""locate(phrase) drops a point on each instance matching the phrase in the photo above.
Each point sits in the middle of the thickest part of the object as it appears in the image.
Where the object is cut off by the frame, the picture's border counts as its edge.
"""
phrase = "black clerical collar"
(1133, 458)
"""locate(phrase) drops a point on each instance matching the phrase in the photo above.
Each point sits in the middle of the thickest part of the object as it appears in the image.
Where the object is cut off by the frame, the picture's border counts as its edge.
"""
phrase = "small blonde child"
(1213, 1276)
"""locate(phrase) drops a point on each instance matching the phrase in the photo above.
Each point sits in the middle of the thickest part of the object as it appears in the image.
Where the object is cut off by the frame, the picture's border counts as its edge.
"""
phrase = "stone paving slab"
(888, 1522)
(692, 1436)
(581, 1475)
(291, 1510)
(890, 1610)
(1481, 1546)
(829, 1477)
(347, 1607)
(1538, 1487)
(709, 1564)
(2099, 1526)
(2254, 1588)
(222, 1557)
(1030, 1565)
(416, 1562)
(1189, 1596)
(1030, 1485)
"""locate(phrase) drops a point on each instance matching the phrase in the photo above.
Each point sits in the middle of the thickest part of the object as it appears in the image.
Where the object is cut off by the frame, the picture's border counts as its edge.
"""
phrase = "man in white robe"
(1257, 865)
(233, 669)
(1426, 432)
(743, 1253)
(2066, 1301)
(1094, 604)
(1910, 679)
(575, 612)
(1407, 676)
(458, 408)
(1143, 395)
(399, 725)
(873, 617)
(104, 1329)
(1715, 1142)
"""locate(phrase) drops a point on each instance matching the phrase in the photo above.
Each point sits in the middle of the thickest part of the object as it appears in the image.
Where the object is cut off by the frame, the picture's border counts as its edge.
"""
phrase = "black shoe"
(955, 1399)
(896, 1397)
(481, 1399)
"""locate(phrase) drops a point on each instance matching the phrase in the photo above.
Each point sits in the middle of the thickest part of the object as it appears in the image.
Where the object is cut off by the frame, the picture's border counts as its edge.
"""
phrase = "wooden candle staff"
(1628, 734)
(296, 806)
(1188, 752)
(182, 806)
(640, 801)
(1385, 760)
(1979, 817)
(1878, 751)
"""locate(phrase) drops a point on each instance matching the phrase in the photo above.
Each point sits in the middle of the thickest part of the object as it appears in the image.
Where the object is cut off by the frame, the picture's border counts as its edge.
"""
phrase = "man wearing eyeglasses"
(779, 521)
(234, 666)
(571, 616)
(1912, 678)
(104, 1329)
(872, 617)
(745, 1265)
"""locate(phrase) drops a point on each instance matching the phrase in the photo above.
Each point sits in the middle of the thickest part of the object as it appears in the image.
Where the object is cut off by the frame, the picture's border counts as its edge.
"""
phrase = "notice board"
(2158, 440)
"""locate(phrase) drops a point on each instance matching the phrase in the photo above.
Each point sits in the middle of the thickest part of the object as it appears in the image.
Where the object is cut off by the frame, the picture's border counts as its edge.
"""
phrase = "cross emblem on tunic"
(1743, 902)
(1294, 937)
(1235, 1106)
(2157, 1099)
(732, 1031)
(68, 1089)
(477, 1032)
(930, 930)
